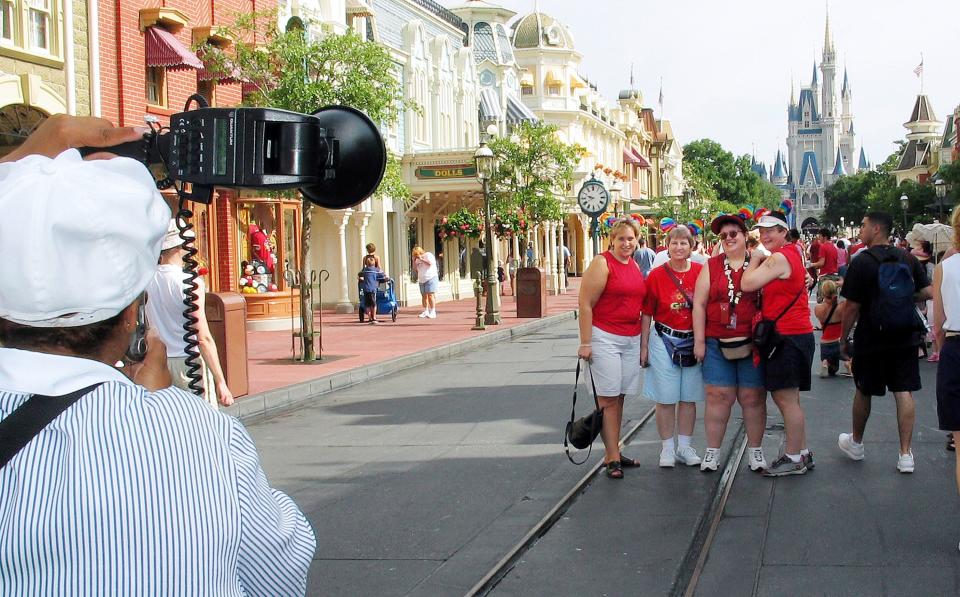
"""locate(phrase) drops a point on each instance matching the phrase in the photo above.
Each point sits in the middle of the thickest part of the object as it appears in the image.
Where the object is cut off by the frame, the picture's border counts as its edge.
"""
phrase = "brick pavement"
(349, 344)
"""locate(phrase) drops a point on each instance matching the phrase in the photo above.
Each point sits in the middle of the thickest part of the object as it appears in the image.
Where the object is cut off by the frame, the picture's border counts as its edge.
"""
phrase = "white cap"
(172, 238)
(770, 221)
(80, 240)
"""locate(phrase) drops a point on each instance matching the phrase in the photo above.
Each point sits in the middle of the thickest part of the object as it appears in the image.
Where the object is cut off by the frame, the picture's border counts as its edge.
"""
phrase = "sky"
(726, 65)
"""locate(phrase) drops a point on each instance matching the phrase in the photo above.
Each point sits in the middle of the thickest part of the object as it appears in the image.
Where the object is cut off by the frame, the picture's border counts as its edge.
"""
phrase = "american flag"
(919, 70)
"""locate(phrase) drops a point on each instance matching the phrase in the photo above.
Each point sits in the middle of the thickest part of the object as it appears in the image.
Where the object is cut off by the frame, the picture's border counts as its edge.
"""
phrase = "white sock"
(668, 445)
(794, 457)
(683, 440)
(804, 452)
(712, 451)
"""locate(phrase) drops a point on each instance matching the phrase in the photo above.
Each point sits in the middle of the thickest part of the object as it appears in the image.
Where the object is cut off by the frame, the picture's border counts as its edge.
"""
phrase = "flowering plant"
(461, 223)
(510, 224)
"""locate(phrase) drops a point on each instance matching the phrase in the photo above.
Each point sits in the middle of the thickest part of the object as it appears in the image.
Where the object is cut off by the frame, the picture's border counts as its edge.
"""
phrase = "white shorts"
(615, 363)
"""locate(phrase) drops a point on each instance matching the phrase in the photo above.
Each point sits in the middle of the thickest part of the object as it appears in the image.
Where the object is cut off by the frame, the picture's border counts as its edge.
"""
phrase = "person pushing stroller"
(370, 278)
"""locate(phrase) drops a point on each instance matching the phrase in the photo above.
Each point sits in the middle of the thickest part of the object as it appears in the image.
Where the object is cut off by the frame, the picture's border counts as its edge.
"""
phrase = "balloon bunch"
(610, 221)
(694, 228)
(667, 224)
(639, 219)
(762, 211)
(787, 206)
(745, 212)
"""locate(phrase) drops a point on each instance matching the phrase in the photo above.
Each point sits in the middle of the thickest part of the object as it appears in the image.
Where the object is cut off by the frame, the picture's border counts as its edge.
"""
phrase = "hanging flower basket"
(462, 223)
(510, 224)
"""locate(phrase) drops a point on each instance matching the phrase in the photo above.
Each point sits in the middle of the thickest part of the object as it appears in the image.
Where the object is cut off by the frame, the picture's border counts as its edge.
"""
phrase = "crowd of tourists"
(732, 323)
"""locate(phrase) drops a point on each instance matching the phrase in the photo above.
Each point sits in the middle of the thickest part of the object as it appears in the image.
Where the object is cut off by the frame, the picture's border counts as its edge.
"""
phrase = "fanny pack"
(679, 345)
(735, 349)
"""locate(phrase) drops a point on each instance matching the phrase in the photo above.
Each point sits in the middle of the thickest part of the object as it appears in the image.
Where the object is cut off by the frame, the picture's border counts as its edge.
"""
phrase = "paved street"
(419, 482)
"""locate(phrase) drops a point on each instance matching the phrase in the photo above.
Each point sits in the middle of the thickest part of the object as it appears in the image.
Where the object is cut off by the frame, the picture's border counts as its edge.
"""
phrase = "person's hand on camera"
(61, 132)
(585, 352)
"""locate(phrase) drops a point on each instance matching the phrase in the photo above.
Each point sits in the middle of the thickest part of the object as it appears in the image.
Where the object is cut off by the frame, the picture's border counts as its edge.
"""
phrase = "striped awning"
(642, 161)
(490, 106)
(164, 49)
(629, 158)
(518, 112)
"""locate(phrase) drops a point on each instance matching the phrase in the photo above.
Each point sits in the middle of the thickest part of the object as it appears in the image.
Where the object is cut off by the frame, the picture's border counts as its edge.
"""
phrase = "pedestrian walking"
(827, 264)
(722, 316)
(167, 291)
(881, 287)
(370, 278)
(781, 279)
(675, 379)
(610, 300)
(425, 264)
(121, 489)
(830, 315)
(946, 328)
(644, 256)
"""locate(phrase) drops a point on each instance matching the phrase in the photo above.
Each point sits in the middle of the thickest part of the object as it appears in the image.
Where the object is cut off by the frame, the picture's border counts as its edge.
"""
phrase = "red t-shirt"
(815, 251)
(665, 303)
(618, 309)
(830, 259)
(779, 293)
(720, 294)
(855, 248)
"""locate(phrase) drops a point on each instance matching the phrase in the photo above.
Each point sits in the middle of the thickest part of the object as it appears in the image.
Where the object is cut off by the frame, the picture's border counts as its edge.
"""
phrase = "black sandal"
(614, 470)
(627, 462)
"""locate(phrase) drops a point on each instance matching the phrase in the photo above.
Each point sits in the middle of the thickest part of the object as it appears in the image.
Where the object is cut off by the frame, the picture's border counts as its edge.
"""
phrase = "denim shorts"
(430, 286)
(666, 383)
(718, 371)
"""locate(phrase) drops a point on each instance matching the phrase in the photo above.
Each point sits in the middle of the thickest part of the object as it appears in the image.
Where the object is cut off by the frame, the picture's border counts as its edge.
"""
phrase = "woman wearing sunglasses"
(722, 315)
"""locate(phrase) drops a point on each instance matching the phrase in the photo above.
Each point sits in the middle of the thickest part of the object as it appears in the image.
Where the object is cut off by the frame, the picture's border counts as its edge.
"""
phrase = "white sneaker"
(824, 373)
(688, 456)
(854, 451)
(711, 460)
(432, 314)
(905, 463)
(422, 315)
(668, 458)
(757, 461)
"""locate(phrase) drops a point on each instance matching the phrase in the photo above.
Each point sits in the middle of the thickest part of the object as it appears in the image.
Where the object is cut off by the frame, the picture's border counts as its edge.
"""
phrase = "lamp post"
(676, 208)
(615, 189)
(486, 163)
(941, 187)
(843, 226)
(904, 203)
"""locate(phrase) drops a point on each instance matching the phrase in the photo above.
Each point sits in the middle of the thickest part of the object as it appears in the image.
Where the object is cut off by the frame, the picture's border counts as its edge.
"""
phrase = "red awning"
(163, 49)
(629, 158)
(641, 161)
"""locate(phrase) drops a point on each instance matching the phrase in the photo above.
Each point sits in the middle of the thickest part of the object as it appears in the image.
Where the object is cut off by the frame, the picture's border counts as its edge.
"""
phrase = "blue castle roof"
(864, 162)
(808, 98)
(816, 79)
(839, 169)
(779, 168)
(759, 167)
(810, 169)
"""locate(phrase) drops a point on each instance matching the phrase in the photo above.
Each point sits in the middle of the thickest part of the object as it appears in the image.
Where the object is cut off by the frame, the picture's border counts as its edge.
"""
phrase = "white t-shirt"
(426, 268)
(950, 291)
(164, 308)
(664, 256)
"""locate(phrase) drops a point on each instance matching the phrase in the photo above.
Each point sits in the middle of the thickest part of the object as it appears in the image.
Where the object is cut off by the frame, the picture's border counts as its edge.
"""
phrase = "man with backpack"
(881, 287)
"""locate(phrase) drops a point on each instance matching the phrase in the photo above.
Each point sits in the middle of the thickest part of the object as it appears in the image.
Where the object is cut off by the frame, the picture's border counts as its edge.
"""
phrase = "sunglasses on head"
(725, 235)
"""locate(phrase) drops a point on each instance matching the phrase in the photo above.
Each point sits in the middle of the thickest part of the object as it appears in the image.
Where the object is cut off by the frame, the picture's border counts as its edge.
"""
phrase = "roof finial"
(793, 96)
(631, 75)
(827, 38)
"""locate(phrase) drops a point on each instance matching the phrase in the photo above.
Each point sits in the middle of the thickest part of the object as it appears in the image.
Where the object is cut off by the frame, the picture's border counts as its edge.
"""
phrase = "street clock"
(593, 197)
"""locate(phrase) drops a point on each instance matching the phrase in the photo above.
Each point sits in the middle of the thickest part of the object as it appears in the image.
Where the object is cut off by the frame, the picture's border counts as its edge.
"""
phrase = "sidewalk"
(349, 344)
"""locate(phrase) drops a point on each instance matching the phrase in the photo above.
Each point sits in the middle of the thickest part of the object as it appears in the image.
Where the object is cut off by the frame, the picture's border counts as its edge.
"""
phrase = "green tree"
(716, 172)
(288, 70)
(534, 171)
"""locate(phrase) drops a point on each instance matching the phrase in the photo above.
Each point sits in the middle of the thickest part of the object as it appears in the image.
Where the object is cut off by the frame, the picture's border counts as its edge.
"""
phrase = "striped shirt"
(130, 492)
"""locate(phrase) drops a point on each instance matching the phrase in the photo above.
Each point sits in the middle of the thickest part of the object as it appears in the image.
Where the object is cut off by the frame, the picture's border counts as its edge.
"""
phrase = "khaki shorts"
(177, 366)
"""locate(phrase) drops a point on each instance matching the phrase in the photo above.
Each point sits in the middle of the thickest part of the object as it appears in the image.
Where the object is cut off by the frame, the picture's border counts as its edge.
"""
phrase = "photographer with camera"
(108, 487)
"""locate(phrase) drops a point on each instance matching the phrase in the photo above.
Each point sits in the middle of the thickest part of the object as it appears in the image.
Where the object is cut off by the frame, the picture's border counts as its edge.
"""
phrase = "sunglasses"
(731, 235)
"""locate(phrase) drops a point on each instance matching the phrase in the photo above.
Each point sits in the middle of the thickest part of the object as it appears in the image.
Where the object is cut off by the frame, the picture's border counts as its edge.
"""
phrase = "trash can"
(531, 292)
(227, 317)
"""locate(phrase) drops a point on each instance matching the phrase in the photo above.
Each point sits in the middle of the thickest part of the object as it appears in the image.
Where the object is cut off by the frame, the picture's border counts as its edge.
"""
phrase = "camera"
(335, 157)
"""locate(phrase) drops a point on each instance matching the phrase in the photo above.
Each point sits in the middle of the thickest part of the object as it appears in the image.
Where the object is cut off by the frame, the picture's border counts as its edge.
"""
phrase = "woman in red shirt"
(722, 316)
(611, 298)
(674, 380)
(783, 299)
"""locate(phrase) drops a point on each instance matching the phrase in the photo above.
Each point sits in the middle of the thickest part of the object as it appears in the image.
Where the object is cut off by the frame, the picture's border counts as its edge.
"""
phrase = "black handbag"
(765, 335)
(580, 433)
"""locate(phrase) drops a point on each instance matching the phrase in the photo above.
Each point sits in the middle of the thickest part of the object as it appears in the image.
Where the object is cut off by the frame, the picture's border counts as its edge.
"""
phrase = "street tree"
(534, 172)
(290, 70)
(727, 177)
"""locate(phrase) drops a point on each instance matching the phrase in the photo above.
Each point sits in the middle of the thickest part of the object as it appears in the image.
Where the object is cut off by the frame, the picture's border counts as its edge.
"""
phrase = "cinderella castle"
(821, 142)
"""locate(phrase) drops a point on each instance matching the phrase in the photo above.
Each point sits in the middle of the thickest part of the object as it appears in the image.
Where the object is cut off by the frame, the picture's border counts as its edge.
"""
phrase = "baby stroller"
(386, 301)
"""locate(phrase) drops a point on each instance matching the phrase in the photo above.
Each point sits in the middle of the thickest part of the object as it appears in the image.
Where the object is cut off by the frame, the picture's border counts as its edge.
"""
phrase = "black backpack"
(892, 310)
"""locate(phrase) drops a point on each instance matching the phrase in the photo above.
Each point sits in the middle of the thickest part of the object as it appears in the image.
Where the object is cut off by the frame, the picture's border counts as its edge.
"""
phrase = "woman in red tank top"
(611, 299)
(722, 316)
(782, 282)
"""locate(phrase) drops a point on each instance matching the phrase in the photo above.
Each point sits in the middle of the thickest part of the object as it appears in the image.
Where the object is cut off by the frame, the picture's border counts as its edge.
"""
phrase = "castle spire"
(846, 84)
(827, 38)
(793, 95)
(815, 80)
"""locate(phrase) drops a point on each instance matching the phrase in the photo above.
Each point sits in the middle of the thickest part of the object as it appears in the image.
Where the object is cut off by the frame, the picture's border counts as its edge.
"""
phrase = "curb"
(267, 404)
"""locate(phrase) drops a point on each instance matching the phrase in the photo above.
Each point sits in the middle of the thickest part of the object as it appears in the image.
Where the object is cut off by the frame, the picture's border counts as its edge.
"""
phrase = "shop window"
(7, 22)
(156, 86)
(267, 244)
(39, 24)
(553, 89)
(31, 26)
(526, 90)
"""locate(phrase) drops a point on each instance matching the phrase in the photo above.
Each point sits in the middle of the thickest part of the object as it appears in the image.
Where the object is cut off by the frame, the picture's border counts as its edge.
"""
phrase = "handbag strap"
(573, 413)
(790, 304)
(833, 309)
(676, 281)
(31, 417)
